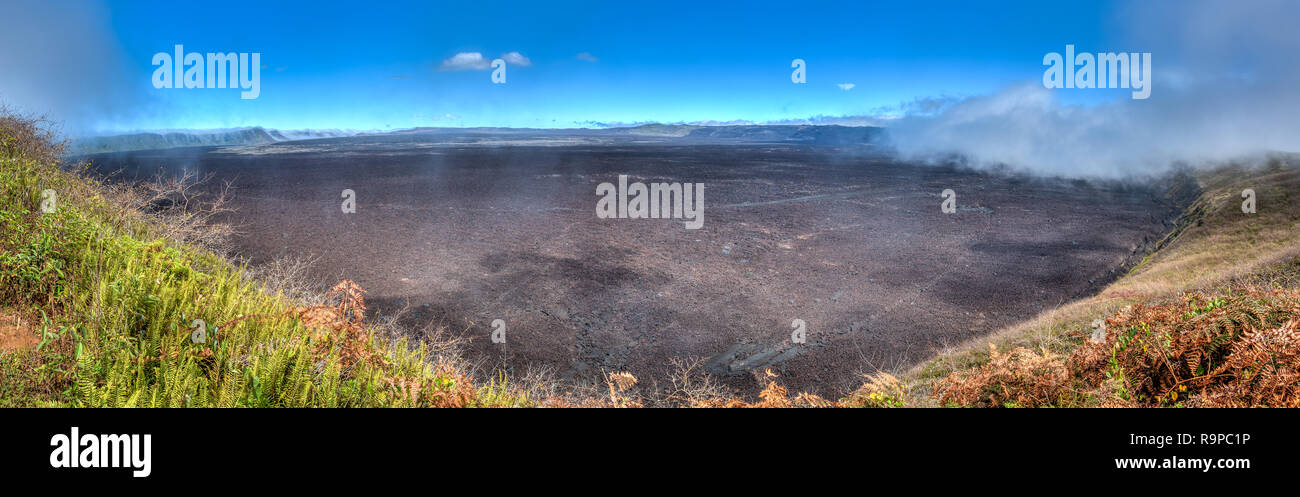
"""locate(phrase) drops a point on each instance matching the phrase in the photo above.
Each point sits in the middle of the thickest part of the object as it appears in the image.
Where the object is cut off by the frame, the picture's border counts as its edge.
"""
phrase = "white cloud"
(465, 61)
(846, 86)
(587, 57)
(1218, 94)
(475, 61)
(516, 59)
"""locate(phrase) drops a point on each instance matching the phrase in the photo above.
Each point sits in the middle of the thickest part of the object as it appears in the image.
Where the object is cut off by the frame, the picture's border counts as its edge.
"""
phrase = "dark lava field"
(463, 229)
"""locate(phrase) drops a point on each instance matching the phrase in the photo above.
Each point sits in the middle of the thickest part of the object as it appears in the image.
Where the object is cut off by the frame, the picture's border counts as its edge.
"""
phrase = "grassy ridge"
(1248, 264)
(115, 307)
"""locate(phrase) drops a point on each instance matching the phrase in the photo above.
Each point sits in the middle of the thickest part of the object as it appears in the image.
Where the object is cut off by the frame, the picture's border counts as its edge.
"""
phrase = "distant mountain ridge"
(815, 134)
(833, 135)
(821, 134)
(194, 138)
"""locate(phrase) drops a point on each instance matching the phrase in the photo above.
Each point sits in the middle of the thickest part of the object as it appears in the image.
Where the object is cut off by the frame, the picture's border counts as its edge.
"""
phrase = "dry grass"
(289, 277)
(882, 390)
(692, 385)
(1217, 252)
(1222, 243)
(1019, 378)
(1240, 351)
(773, 396)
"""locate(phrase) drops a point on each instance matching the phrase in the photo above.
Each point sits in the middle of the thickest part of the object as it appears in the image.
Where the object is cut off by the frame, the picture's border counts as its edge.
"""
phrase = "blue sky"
(373, 65)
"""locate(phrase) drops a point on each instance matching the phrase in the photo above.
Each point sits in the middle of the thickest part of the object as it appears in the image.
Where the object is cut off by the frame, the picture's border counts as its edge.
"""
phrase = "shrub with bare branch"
(182, 208)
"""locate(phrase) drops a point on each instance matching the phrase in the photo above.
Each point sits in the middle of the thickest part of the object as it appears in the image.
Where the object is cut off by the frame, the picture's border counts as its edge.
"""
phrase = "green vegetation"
(116, 308)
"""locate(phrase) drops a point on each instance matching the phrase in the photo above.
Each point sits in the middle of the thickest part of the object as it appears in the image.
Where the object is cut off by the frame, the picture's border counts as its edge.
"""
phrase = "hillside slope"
(98, 309)
(1207, 319)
